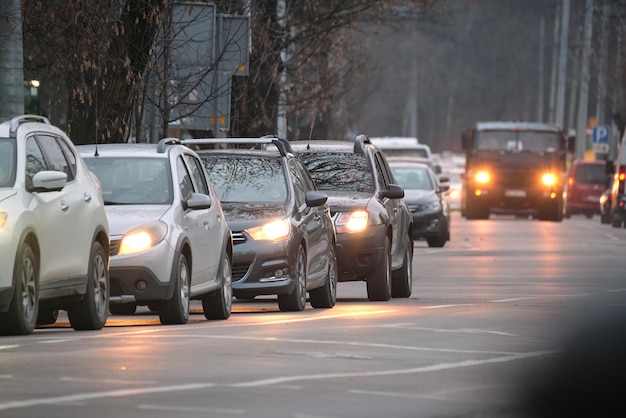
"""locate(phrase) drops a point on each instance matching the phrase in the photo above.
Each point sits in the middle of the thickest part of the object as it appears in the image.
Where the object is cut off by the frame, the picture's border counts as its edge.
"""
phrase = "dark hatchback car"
(586, 181)
(373, 223)
(284, 240)
(425, 197)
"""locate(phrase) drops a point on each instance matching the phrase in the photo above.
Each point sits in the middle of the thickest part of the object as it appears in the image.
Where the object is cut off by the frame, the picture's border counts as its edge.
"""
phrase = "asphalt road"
(491, 315)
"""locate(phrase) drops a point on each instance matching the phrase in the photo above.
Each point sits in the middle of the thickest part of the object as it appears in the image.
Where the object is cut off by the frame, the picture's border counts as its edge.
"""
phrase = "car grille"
(239, 272)
(115, 246)
(238, 238)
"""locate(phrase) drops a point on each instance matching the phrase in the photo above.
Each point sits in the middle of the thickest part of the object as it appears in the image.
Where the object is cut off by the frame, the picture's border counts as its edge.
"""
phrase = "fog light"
(279, 273)
(478, 192)
(141, 285)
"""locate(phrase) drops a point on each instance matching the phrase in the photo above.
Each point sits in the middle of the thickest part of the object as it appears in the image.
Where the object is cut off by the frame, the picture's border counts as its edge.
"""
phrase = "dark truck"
(514, 168)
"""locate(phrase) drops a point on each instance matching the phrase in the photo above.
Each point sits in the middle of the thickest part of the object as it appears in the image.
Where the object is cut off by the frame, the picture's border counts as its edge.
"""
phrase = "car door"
(204, 228)
(64, 247)
(312, 221)
(384, 178)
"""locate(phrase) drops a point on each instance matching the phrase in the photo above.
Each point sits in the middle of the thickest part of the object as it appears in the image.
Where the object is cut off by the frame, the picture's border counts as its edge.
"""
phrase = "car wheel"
(176, 309)
(616, 221)
(326, 296)
(219, 303)
(47, 316)
(402, 284)
(296, 300)
(21, 318)
(123, 308)
(91, 312)
(379, 283)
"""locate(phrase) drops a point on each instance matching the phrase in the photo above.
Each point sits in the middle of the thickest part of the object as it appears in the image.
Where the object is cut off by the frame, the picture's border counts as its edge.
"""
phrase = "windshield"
(339, 171)
(591, 173)
(244, 179)
(412, 177)
(132, 181)
(7, 162)
(511, 140)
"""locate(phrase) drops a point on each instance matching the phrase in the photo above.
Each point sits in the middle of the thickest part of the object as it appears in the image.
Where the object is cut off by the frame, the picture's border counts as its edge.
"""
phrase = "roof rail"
(359, 143)
(282, 144)
(167, 141)
(18, 120)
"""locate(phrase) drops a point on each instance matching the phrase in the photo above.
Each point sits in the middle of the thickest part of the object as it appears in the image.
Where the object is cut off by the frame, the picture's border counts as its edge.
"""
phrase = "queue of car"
(163, 224)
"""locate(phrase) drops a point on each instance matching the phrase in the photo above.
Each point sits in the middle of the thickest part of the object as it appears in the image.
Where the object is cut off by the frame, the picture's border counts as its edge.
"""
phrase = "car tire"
(21, 318)
(326, 296)
(47, 316)
(296, 300)
(176, 310)
(379, 282)
(219, 303)
(402, 280)
(92, 311)
(123, 308)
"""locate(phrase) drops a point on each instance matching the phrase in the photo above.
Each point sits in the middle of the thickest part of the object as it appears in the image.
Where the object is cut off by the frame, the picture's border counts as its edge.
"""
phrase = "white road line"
(190, 409)
(8, 347)
(262, 382)
(449, 306)
(452, 331)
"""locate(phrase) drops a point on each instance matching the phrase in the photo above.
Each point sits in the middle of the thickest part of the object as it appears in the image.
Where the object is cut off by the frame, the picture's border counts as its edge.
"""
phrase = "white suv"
(54, 236)
(170, 242)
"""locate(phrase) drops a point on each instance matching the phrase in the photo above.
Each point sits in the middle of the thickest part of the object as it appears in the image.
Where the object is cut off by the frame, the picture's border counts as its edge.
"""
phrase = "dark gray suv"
(373, 223)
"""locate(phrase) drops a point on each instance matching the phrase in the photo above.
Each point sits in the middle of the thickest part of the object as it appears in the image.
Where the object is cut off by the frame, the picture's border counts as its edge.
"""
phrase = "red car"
(586, 180)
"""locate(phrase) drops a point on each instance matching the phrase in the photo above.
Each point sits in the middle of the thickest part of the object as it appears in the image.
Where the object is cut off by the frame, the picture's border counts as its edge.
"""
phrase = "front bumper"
(430, 225)
(358, 254)
(262, 267)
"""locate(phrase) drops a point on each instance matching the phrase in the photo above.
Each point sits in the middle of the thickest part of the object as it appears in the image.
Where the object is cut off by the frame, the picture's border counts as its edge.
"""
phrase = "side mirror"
(571, 142)
(48, 181)
(198, 201)
(394, 192)
(315, 199)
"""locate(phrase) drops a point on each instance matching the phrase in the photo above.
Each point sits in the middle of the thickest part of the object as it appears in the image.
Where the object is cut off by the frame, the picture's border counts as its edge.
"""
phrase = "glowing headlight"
(352, 221)
(482, 177)
(548, 179)
(273, 231)
(142, 238)
(454, 194)
(3, 219)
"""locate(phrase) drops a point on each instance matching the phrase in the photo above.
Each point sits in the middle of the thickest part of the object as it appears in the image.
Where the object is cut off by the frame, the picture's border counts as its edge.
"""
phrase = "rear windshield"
(339, 171)
(592, 173)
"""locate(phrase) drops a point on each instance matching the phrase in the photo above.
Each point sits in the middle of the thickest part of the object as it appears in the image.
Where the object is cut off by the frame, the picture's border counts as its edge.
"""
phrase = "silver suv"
(47, 262)
(169, 240)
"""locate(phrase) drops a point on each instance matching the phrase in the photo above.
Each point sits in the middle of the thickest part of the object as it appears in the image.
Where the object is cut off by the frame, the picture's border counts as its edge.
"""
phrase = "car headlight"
(454, 194)
(143, 238)
(548, 179)
(272, 231)
(3, 219)
(433, 206)
(352, 221)
(482, 177)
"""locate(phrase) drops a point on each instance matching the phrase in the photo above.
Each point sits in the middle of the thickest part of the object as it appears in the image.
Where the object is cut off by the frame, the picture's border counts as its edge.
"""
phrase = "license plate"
(593, 198)
(515, 193)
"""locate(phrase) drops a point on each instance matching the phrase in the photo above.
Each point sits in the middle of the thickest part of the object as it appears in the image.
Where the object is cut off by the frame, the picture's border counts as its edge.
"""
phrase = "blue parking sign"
(600, 139)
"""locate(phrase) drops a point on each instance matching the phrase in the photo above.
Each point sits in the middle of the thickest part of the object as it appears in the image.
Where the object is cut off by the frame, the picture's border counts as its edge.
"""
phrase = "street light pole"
(12, 59)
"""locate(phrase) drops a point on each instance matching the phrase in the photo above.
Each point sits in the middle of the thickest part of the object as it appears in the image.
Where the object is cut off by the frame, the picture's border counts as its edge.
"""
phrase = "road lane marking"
(8, 347)
(449, 306)
(263, 382)
(190, 409)
(421, 369)
(452, 331)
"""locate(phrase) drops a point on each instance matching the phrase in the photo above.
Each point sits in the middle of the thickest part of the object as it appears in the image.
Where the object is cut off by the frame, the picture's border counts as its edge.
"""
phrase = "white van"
(393, 146)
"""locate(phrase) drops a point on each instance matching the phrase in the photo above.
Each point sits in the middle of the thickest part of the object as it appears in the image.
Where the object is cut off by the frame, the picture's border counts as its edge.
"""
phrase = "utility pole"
(563, 46)
(281, 121)
(583, 102)
(542, 30)
(11, 60)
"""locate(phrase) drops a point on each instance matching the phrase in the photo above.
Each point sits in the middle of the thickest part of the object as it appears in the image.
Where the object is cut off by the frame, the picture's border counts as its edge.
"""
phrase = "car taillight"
(620, 179)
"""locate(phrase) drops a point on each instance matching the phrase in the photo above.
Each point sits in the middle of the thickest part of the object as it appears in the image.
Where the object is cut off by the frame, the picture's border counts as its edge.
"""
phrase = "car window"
(69, 155)
(132, 180)
(35, 161)
(381, 173)
(197, 173)
(299, 186)
(244, 179)
(54, 155)
(590, 173)
(413, 178)
(8, 159)
(184, 179)
(339, 171)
